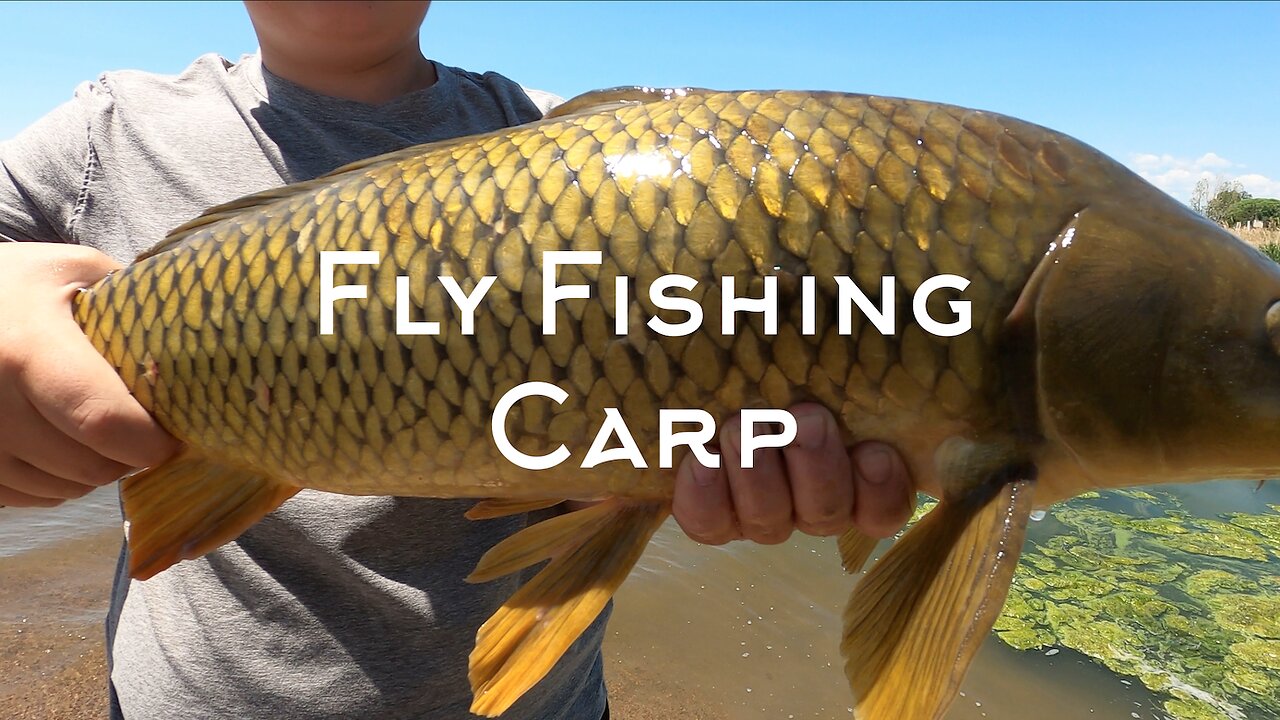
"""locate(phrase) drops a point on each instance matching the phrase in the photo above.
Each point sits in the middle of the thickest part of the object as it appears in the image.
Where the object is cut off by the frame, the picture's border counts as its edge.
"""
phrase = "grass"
(1271, 249)
(1265, 239)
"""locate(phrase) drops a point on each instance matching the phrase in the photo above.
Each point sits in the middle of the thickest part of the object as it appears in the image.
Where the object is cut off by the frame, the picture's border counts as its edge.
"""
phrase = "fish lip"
(1272, 323)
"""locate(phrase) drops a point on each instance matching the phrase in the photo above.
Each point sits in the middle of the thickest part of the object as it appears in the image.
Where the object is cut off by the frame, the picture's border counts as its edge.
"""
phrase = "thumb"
(77, 266)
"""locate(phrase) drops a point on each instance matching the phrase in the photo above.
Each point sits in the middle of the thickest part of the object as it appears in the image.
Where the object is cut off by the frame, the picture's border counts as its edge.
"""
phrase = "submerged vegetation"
(1189, 605)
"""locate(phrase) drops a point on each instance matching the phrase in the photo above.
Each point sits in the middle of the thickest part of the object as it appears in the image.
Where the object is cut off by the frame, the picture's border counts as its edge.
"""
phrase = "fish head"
(1157, 339)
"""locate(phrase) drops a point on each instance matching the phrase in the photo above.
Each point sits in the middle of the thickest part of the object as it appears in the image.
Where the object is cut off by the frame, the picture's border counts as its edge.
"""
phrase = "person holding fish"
(333, 605)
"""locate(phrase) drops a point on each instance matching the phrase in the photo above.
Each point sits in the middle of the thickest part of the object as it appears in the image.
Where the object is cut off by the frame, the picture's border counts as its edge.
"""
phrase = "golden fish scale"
(220, 336)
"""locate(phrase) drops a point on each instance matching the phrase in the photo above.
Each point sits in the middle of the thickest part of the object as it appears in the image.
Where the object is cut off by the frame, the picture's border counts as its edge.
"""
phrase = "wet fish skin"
(755, 183)
(1116, 339)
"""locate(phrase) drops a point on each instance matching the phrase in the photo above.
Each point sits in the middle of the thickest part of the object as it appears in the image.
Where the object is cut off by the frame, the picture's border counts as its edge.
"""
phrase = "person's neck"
(386, 80)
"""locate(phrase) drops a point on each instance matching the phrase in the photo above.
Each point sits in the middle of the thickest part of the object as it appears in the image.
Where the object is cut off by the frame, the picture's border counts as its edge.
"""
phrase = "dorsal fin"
(614, 98)
(178, 235)
(590, 102)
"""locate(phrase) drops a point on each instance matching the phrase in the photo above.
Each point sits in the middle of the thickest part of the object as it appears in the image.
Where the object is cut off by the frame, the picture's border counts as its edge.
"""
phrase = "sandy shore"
(52, 665)
(52, 602)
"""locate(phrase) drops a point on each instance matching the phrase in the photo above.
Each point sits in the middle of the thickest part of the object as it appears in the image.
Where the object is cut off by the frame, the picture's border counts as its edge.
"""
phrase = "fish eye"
(1273, 325)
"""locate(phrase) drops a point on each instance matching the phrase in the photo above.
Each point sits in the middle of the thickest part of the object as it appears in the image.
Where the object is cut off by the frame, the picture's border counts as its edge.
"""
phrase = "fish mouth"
(1272, 322)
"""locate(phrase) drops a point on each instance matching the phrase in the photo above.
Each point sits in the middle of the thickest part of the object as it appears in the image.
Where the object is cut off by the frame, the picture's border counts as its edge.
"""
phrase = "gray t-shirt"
(332, 606)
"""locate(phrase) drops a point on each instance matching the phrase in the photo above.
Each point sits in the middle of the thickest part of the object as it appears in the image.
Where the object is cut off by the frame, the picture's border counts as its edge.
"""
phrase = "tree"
(1201, 195)
(1227, 195)
(1265, 209)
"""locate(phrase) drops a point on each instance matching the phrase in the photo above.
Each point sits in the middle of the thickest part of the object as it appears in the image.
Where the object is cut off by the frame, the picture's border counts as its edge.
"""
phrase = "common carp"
(1102, 335)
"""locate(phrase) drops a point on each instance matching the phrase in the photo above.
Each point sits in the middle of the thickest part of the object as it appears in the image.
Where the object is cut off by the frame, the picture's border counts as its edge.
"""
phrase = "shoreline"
(54, 599)
(53, 661)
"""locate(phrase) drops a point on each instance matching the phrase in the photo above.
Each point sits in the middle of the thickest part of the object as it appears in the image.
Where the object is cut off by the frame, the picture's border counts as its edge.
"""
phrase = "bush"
(1271, 249)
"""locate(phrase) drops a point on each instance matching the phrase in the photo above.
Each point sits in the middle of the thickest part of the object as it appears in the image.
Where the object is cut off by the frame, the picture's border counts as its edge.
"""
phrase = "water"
(755, 632)
(750, 632)
(25, 529)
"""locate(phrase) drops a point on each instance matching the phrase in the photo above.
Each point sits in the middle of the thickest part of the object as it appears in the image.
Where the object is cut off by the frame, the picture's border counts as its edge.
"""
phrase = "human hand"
(67, 422)
(814, 485)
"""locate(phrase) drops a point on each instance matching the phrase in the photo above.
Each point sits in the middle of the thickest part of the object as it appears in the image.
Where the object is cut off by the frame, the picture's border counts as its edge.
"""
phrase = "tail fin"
(188, 506)
(915, 622)
(591, 551)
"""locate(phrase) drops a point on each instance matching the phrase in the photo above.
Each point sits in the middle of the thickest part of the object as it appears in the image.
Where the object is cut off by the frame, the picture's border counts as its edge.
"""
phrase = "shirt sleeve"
(543, 99)
(46, 169)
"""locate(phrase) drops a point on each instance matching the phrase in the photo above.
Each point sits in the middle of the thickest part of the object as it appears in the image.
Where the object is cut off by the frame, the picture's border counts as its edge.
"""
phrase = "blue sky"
(1174, 90)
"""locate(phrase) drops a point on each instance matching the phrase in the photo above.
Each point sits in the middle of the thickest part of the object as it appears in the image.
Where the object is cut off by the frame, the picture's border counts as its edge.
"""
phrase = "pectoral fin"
(915, 622)
(188, 506)
(502, 507)
(855, 548)
(591, 551)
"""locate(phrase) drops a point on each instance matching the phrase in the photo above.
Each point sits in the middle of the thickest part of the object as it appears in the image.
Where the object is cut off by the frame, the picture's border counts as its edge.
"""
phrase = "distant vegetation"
(1229, 204)
(1270, 248)
(1266, 210)
(1267, 240)
(1254, 220)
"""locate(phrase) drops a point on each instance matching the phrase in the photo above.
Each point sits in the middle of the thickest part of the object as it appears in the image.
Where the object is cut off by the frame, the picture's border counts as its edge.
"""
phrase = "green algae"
(1258, 653)
(1218, 539)
(923, 505)
(1142, 495)
(1248, 614)
(1165, 526)
(1022, 638)
(1267, 526)
(1188, 605)
(1206, 581)
(1193, 709)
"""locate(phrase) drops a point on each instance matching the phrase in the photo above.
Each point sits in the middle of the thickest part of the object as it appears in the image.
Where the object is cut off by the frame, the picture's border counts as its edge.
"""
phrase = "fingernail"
(703, 476)
(731, 435)
(812, 427)
(874, 464)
